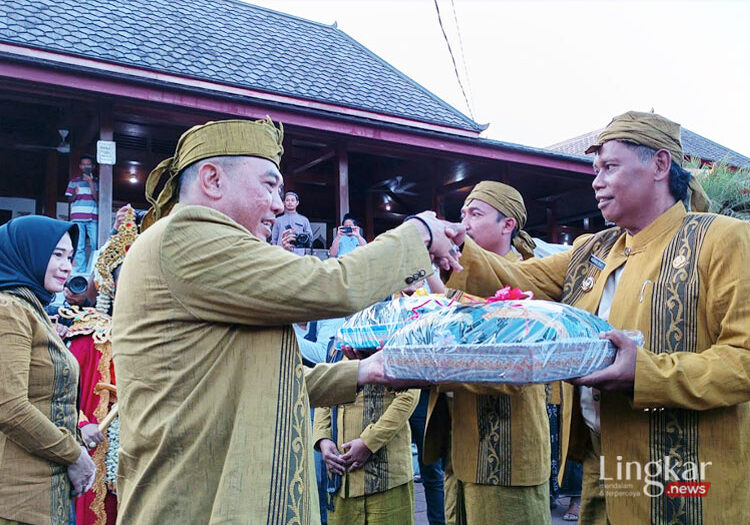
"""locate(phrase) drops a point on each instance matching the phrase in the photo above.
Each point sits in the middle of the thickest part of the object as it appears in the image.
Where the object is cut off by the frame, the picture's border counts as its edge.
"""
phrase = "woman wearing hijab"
(41, 463)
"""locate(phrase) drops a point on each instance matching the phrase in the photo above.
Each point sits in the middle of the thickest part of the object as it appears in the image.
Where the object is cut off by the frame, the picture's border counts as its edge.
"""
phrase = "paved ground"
(420, 510)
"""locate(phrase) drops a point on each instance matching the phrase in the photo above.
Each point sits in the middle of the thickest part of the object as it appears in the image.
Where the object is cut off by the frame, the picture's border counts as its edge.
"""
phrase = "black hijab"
(26, 245)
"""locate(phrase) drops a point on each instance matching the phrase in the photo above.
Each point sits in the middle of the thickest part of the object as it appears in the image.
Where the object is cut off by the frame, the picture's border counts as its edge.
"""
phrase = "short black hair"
(501, 216)
(349, 217)
(291, 193)
(679, 178)
(87, 156)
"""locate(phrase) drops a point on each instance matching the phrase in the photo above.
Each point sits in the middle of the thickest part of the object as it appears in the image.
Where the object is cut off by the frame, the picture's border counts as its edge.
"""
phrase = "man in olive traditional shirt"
(677, 408)
(500, 435)
(214, 400)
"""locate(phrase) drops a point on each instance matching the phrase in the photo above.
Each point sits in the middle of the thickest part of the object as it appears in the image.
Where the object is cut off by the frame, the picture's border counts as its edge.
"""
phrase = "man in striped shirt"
(83, 195)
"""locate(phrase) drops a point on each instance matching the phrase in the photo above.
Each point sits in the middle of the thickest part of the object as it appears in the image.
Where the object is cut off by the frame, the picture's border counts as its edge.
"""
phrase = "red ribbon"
(510, 294)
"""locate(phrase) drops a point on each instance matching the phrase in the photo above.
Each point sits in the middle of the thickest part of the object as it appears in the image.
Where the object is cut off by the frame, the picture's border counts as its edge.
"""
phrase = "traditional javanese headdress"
(258, 138)
(509, 202)
(656, 132)
(110, 257)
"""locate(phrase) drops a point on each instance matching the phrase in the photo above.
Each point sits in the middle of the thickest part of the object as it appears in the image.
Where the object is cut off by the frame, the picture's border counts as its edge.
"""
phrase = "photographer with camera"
(348, 237)
(83, 194)
(291, 240)
(291, 220)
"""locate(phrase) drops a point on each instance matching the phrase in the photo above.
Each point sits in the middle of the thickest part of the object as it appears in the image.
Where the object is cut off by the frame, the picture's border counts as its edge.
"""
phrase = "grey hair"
(679, 178)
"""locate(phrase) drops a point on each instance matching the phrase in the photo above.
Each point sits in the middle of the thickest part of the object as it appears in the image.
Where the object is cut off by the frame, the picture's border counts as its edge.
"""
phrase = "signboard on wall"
(106, 152)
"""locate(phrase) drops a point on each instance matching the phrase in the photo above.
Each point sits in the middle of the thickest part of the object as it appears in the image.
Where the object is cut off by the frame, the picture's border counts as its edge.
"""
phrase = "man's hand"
(331, 457)
(120, 217)
(61, 330)
(355, 454)
(287, 239)
(88, 177)
(362, 353)
(446, 237)
(82, 473)
(372, 371)
(91, 435)
(78, 299)
(620, 375)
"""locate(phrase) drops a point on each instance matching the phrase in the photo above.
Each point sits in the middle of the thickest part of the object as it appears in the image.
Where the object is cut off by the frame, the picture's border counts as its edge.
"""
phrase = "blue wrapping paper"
(525, 341)
(372, 326)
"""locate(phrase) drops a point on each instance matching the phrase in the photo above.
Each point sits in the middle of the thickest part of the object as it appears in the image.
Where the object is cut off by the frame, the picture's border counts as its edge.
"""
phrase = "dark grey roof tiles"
(228, 42)
(698, 146)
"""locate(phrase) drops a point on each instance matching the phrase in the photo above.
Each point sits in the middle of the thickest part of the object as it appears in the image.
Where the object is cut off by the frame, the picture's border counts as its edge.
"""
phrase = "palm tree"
(727, 187)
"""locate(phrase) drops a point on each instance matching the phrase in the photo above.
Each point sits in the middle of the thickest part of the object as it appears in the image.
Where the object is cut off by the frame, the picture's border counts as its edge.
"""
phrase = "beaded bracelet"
(429, 231)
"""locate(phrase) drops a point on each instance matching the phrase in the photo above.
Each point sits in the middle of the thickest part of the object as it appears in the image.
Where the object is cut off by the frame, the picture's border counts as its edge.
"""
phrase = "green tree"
(727, 187)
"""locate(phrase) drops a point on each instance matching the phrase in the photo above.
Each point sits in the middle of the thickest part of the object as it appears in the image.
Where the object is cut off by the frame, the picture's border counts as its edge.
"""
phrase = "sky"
(539, 72)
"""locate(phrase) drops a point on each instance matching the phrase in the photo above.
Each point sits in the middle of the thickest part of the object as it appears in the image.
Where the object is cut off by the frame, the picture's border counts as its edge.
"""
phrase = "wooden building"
(360, 136)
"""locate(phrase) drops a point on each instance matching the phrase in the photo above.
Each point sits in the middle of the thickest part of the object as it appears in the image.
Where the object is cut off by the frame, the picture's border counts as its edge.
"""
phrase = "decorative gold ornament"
(588, 284)
(88, 321)
(111, 256)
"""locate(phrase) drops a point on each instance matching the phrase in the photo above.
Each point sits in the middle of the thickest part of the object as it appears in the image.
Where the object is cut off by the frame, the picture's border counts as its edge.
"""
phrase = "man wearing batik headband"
(517, 482)
(213, 397)
(494, 215)
(677, 408)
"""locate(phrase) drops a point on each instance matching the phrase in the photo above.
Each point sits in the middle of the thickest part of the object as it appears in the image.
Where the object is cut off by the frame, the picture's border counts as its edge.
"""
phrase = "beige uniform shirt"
(215, 420)
(692, 384)
(380, 417)
(500, 434)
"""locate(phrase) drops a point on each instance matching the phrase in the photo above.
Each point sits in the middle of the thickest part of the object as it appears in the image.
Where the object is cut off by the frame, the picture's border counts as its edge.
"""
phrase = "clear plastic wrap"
(527, 341)
(370, 327)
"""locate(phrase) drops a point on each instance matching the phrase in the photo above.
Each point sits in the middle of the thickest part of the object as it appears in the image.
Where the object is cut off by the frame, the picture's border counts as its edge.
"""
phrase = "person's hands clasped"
(331, 457)
(356, 454)
(620, 375)
(91, 435)
(287, 239)
(82, 473)
(442, 239)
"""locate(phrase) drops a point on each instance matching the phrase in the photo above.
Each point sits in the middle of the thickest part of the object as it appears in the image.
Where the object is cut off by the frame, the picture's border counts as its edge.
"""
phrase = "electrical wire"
(453, 59)
(463, 56)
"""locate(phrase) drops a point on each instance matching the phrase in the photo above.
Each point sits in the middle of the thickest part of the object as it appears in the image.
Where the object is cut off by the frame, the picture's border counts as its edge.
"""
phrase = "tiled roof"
(698, 146)
(693, 145)
(228, 42)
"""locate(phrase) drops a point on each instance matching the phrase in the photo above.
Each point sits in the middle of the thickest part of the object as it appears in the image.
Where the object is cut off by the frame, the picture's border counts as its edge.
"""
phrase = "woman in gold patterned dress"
(42, 465)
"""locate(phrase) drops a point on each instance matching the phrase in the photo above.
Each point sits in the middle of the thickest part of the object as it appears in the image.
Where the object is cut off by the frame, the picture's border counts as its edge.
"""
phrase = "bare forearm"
(334, 250)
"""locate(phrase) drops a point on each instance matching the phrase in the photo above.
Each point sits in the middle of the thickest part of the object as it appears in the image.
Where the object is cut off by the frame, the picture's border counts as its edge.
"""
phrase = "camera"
(87, 170)
(347, 229)
(302, 240)
(77, 284)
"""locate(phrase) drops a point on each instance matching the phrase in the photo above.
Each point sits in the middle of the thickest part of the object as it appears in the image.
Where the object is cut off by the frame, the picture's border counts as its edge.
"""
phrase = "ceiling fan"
(63, 148)
(395, 185)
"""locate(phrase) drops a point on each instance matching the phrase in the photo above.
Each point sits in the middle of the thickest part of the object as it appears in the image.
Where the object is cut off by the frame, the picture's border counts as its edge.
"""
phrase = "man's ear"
(510, 225)
(662, 163)
(211, 180)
